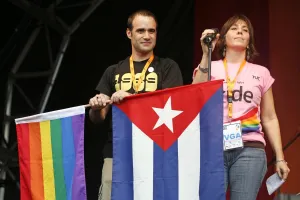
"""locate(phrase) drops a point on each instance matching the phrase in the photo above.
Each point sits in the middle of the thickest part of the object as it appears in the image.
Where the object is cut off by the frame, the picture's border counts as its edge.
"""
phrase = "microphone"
(211, 36)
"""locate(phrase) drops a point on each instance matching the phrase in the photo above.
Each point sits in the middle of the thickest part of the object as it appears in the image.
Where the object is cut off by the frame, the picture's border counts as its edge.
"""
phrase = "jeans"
(245, 169)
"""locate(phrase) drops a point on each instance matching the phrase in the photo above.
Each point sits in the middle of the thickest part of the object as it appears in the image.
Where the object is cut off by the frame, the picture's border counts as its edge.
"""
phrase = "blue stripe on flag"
(68, 153)
(165, 172)
(122, 187)
(212, 169)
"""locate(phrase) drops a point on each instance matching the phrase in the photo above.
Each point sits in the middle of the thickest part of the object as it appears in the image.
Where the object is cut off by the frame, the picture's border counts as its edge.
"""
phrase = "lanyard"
(136, 85)
(230, 85)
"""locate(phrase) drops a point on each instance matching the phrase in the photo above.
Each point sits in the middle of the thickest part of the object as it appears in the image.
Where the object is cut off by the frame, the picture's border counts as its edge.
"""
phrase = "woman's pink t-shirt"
(250, 86)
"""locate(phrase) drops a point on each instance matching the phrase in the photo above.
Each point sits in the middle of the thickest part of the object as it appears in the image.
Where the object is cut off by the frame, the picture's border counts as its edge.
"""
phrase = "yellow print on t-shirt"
(125, 83)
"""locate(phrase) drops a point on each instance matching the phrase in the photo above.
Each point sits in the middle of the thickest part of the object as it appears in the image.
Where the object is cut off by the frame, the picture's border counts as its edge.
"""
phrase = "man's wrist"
(96, 110)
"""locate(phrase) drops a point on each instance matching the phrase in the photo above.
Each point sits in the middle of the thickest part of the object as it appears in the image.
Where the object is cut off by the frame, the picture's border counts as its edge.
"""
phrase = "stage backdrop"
(284, 61)
(101, 41)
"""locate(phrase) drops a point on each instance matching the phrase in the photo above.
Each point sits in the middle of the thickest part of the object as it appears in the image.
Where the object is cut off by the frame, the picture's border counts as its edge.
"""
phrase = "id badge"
(232, 135)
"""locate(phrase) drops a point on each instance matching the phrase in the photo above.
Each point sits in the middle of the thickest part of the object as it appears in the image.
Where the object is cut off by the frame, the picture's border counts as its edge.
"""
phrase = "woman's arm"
(201, 75)
(271, 126)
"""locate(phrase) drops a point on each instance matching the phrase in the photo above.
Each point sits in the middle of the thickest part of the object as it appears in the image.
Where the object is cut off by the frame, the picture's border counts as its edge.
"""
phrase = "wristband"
(277, 161)
(203, 70)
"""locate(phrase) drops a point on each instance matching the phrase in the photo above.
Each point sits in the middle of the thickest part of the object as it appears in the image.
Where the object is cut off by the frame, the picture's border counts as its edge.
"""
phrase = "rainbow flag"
(250, 121)
(51, 155)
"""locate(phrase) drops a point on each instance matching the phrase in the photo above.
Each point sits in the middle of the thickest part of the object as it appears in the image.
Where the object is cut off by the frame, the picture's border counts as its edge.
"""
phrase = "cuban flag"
(168, 144)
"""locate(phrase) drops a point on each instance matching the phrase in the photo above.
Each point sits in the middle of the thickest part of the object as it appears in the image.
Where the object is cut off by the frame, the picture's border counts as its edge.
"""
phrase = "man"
(141, 72)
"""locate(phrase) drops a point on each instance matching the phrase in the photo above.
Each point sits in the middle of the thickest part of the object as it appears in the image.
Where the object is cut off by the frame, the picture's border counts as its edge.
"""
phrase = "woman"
(248, 102)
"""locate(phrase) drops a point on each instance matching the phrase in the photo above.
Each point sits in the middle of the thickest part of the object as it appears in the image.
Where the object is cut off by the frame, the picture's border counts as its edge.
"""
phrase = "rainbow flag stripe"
(51, 155)
(250, 122)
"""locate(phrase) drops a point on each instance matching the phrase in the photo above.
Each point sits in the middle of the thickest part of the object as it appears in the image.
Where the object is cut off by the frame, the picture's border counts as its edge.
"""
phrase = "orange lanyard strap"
(230, 85)
(136, 85)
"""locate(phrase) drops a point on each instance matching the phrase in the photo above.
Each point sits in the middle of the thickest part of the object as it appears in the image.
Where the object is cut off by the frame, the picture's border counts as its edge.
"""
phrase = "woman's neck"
(233, 56)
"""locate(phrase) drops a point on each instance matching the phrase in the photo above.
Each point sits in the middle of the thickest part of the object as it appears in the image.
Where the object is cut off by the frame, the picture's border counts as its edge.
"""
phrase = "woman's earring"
(224, 52)
(247, 53)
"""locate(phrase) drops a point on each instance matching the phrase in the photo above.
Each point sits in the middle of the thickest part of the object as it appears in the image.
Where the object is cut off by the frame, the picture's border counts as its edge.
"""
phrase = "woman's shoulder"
(258, 68)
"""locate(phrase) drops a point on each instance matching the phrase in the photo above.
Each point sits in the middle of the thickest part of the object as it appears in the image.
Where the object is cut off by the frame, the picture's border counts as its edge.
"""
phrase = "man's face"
(143, 34)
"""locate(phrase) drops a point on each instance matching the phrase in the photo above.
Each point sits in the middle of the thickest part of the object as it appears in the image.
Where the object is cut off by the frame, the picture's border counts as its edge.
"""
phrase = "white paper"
(273, 183)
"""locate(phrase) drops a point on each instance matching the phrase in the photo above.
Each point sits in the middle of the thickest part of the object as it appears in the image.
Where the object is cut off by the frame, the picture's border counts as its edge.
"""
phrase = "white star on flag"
(166, 115)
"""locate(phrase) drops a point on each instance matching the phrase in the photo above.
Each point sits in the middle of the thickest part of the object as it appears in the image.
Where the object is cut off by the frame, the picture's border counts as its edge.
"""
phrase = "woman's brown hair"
(221, 44)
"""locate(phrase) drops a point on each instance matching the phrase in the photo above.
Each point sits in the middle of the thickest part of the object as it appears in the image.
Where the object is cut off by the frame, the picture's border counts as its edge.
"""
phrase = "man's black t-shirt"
(162, 73)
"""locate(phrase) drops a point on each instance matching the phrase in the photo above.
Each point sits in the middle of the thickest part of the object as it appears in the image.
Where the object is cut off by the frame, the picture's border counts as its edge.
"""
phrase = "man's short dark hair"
(145, 13)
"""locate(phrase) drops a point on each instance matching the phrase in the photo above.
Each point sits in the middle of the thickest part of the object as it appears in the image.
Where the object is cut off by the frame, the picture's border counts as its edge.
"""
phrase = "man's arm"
(172, 76)
(99, 108)
(98, 116)
(100, 103)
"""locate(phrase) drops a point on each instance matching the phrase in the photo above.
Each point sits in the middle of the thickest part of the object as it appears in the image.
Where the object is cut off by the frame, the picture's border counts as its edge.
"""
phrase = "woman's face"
(238, 36)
